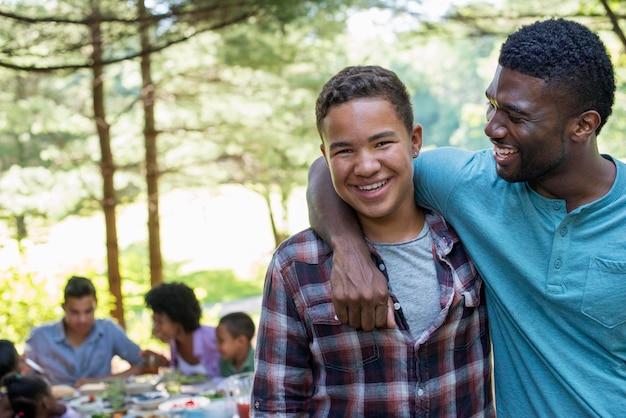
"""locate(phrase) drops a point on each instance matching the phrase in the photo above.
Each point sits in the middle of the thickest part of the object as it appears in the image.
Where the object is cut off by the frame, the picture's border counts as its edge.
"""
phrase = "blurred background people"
(176, 315)
(10, 360)
(30, 396)
(78, 348)
(234, 341)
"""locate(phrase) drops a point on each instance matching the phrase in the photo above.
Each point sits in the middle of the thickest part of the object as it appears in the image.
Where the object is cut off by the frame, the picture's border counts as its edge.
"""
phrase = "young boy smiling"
(437, 361)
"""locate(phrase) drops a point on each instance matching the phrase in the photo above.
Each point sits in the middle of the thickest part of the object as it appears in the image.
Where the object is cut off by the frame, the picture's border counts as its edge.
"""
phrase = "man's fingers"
(342, 314)
(354, 316)
(368, 318)
(381, 316)
(391, 314)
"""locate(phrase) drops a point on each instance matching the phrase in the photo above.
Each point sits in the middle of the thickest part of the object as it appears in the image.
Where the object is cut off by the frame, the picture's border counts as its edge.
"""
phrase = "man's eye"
(491, 110)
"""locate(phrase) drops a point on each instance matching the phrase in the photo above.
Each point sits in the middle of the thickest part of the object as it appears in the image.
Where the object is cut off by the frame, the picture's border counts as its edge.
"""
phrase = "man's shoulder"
(107, 326)
(452, 156)
(48, 329)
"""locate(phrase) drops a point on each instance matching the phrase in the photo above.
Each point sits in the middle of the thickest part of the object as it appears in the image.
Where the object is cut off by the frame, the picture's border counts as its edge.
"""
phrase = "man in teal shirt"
(543, 215)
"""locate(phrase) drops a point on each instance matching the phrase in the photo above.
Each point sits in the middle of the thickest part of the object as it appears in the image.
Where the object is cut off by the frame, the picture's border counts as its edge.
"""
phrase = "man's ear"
(584, 125)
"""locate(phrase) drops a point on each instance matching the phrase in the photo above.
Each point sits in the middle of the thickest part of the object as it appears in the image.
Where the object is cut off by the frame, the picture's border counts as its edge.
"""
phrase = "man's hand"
(359, 292)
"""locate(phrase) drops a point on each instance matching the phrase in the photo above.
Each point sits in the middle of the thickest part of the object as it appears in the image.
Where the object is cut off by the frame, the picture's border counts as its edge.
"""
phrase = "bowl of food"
(87, 404)
(186, 406)
(149, 400)
(136, 387)
(94, 389)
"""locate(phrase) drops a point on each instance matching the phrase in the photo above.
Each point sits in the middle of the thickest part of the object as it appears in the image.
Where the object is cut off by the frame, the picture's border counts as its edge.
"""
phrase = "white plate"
(92, 388)
(138, 387)
(184, 403)
(149, 400)
(63, 391)
(87, 404)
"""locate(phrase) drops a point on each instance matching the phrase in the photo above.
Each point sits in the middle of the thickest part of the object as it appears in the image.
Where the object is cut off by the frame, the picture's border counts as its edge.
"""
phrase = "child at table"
(10, 367)
(234, 342)
(28, 396)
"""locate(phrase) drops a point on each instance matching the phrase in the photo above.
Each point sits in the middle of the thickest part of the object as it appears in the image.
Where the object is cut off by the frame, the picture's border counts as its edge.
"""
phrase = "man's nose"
(494, 128)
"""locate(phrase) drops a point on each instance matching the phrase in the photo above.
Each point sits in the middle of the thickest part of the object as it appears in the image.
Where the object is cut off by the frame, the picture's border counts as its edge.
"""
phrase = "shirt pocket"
(604, 297)
(339, 346)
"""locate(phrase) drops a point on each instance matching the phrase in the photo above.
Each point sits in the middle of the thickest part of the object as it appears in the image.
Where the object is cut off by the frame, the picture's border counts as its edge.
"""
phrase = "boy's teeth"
(372, 186)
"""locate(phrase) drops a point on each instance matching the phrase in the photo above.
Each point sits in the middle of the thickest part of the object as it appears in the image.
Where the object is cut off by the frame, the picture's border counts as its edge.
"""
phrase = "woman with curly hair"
(176, 316)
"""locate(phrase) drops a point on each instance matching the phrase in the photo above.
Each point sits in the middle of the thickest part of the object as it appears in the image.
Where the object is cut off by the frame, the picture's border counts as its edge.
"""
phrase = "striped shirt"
(309, 364)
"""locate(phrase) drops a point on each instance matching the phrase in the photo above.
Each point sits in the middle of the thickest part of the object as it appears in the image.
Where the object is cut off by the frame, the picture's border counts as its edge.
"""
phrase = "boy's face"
(228, 346)
(80, 314)
(370, 157)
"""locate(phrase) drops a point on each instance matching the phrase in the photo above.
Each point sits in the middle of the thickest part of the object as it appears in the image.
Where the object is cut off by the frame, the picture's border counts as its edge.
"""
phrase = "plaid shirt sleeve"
(283, 378)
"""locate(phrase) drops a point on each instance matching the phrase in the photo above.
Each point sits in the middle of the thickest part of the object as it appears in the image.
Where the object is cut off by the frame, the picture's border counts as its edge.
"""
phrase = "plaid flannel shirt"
(309, 364)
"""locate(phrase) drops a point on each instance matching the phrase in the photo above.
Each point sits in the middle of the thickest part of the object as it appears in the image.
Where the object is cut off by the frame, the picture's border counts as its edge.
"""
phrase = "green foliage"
(25, 301)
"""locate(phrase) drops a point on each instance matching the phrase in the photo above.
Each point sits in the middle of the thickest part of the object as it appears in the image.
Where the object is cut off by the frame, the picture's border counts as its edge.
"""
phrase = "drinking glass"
(171, 380)
(241, 389)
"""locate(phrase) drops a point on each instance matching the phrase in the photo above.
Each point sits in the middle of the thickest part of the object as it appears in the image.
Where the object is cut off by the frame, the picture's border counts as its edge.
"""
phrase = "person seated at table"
(10, 360)
(78, 348)
(234, 341)
(29, 396)
(176, 315)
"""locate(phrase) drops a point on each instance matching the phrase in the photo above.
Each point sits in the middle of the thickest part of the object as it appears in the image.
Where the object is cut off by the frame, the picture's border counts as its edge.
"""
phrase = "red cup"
(243, 409)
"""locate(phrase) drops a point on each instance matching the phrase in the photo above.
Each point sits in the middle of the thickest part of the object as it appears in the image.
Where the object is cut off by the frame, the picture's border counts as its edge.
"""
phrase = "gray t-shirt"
(413, 278)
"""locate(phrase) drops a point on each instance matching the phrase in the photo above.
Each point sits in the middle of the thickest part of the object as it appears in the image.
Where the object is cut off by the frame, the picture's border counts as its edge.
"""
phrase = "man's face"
(526, 127)
(80, 314)
(370, 157)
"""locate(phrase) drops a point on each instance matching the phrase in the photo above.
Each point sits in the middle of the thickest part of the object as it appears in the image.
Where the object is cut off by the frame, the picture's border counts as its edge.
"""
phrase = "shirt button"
(396, 306)
(556, 205)
(558, 263)
(257, 404)
(381, 267)
(420, 392)
(563, 231)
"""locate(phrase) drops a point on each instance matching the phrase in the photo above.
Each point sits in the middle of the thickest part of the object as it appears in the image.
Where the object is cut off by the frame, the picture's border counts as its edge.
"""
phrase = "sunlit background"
(234, 112)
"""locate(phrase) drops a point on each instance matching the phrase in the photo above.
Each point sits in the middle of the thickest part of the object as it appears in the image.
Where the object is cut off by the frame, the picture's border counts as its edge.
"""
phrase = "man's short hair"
(570, 58)
(79, 287)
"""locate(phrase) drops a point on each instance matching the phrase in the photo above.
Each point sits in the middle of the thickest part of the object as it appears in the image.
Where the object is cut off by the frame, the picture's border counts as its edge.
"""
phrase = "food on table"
(215, 394)
(92, 388)
(184, 403)
(191, 379)
(63, 391)
(87, 404)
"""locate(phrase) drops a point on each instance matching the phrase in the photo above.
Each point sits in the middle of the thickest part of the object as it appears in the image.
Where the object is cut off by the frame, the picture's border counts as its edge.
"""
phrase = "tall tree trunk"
(107, 168)
(150, 143)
